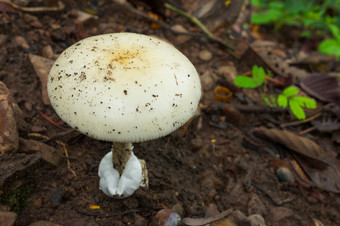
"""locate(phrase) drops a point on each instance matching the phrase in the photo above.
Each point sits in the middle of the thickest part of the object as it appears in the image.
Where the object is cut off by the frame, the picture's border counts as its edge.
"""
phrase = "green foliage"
(320, 17)
(296, 103)
(331, 46)
(256, 80)
(288, 97)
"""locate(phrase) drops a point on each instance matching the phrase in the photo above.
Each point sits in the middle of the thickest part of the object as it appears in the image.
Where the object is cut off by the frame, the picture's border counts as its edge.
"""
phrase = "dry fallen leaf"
(204, 221)
(60, 6)
(14, 163)
(277, 60)
(322, 86)
(42, 67)
(48, 153)
(9, 136)
(321, 166)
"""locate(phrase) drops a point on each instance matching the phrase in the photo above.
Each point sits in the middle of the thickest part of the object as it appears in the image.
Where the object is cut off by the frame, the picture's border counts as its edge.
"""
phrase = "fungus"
(132, 88)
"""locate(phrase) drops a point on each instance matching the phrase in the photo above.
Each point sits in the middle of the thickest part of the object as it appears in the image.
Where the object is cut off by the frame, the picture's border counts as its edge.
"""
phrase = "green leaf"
(296, 109)
(245, 82)
(282, 101)
(306, 34)
(270, 16)
(270, 100)
(330, 47)
(290, 91)
(256, 3)
(276, 5)
(335, 31)
(305, 102)
(258, 75)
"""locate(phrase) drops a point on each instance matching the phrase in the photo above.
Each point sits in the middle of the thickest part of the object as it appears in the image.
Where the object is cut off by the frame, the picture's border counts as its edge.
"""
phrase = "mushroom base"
(121, 153)
(116, 186)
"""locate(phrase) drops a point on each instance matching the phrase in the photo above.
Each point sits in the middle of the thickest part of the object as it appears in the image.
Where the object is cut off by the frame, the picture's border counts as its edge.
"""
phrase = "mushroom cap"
(124, 87)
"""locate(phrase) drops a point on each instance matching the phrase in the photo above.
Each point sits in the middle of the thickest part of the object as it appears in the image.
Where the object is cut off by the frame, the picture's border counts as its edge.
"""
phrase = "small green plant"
(331, 46)
(288, 97)
(314, 17)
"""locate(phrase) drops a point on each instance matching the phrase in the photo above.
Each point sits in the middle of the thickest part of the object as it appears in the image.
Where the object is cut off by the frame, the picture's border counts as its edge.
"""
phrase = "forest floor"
(213, 165)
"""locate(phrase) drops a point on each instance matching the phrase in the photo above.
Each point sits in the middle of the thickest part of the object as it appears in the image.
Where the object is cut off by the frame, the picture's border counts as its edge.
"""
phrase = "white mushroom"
(123, 88)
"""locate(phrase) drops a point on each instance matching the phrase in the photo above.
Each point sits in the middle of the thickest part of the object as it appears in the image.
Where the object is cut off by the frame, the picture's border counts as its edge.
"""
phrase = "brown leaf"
(322, 86)
(42, 67)
(9, 136)
(48, 153)
(6, 7)
(60, 6)
(321, 166)
(277, 60)
(294, 142)
(11, 164)
(203, 221)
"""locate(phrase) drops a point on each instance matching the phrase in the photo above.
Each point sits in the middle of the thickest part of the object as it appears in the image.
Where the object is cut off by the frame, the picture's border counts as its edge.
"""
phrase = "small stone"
(38, 203)
(207, 81)
(56, 197)
(178, 208)
(139, 220)
(196, 143)
(229, 73)
(28, 106)
(180, 39)
(73, 192)
(20, 41)
(3, 39)
(36, 24)
(284, 174)
(29, 18)
(256, 206)
(279, 213)
(205, 55)
(7, 218)
(256, 220)
(166, 217)
(47, 52)
(212, 211)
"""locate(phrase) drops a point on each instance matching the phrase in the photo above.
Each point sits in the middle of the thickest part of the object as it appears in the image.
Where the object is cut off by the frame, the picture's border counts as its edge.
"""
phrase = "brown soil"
(189, 169)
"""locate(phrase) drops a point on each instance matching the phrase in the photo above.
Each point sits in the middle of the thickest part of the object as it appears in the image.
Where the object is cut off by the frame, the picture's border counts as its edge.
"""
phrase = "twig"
(191, 18)
(59, 7)
(210, 35)
(37, 135)
(276, 202)
(51, 121)
(258, 109)
(67, 157)
(300, 121)
(163, 24)
(166, 26)
(102, 215)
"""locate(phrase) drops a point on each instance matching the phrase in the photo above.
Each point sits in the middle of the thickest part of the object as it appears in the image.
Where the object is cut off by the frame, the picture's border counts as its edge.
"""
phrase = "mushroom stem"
(121, 153)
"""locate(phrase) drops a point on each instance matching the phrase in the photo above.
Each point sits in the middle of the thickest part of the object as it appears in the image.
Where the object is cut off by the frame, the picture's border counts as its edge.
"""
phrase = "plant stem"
(121, 153)
(192, 18)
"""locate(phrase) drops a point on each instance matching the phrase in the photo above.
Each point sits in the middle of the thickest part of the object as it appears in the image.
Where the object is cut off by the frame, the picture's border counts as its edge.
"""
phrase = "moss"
(18, 200)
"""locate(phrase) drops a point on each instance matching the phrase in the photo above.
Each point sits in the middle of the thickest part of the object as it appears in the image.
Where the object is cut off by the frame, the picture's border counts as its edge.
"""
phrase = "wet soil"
(189, 169)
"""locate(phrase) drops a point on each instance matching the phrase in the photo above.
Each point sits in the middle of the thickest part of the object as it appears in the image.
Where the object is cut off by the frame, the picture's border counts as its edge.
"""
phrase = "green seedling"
(331, 46)
(288, 98)
(313, 17)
